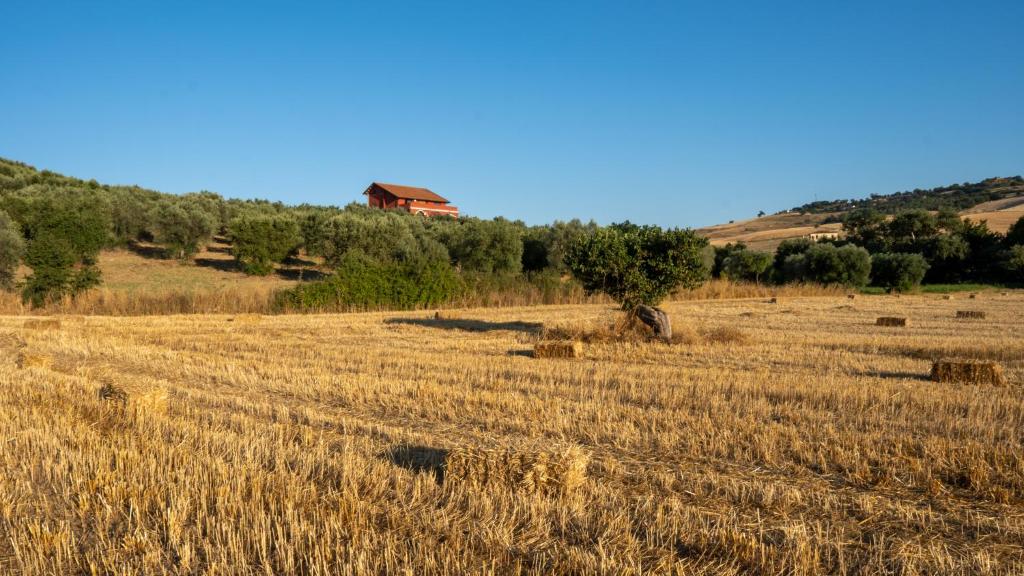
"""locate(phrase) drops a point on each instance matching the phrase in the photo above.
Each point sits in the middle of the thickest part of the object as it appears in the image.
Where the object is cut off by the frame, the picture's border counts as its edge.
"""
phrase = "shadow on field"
(301, 274)
(147, 251)
(419, 459)
(891, 374)
(222, 265)
(467, 324)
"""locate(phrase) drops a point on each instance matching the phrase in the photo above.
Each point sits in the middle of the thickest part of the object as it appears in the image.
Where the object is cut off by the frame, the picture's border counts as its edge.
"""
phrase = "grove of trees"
(56, 226)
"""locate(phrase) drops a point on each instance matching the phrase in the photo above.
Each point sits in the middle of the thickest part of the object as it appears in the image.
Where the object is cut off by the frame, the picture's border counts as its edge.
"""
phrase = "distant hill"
(998, 201)
(957, 197)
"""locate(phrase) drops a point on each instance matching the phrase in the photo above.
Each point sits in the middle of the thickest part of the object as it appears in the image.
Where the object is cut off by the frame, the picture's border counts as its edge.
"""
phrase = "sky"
(670, 113)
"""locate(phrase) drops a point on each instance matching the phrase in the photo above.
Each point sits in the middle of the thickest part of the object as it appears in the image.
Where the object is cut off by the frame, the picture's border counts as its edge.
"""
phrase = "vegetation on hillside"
(954, 197)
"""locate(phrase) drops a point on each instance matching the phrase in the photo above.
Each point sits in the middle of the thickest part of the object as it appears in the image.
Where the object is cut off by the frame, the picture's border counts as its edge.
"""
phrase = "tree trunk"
(657, 319)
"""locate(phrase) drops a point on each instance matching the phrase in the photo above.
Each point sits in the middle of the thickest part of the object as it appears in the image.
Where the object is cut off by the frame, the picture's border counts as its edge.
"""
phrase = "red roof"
(407, 192)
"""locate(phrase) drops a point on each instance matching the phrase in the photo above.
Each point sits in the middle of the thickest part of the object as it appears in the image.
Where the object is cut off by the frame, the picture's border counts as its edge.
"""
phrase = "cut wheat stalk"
(530, 467)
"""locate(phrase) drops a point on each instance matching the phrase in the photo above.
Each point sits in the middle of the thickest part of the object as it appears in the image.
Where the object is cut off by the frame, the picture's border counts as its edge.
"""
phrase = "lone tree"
(638, 266)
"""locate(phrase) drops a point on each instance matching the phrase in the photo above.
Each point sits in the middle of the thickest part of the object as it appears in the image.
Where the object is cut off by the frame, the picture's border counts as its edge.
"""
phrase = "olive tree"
(258, 242)
(638, 266)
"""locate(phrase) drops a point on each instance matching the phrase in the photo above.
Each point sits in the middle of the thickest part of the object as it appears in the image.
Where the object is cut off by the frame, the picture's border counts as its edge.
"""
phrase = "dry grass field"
(787, 438)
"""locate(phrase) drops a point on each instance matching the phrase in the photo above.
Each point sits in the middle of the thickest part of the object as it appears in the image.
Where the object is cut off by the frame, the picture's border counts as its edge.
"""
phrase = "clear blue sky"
(674, 113)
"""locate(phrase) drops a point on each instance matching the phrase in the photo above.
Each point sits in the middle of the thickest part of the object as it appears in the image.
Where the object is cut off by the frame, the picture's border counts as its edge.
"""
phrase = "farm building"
(415, 200)
(816, 236)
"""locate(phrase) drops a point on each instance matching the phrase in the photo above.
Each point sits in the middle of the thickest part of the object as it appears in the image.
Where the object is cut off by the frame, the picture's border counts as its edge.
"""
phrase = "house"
(817, 236)
(414, 200)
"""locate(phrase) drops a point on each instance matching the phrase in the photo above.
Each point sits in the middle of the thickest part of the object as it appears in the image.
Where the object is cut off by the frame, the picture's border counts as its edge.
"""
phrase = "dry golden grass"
(318, 444)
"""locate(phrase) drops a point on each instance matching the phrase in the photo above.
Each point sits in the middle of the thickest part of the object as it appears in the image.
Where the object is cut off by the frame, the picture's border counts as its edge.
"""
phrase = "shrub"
(260, 241)
(898, 271)
(360, 282)
(11, 247)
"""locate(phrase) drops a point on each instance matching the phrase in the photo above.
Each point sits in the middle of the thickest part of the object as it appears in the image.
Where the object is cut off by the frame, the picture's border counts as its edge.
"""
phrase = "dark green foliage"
(182, 226)
(785, 269)
(1013, 264)
(65, 233)
(1015, 235)
(898, 271)
(360, 282)
(544, 247)
(258, 242)
(748, 265)
(722, 253)
(637, 265)
(11, 247)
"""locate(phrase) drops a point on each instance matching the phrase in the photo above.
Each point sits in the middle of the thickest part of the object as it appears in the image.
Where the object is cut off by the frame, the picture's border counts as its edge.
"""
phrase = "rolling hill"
(998, 201)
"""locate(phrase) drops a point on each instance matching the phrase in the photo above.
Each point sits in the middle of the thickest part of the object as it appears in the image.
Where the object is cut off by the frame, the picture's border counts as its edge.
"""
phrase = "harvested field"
(400, 443)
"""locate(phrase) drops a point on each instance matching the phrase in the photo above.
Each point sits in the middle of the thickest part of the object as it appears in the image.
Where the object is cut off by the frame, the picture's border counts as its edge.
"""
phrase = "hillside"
(998, 201)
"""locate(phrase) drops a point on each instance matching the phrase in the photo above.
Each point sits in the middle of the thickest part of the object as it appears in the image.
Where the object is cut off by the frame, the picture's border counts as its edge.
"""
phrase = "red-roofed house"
(415, 200)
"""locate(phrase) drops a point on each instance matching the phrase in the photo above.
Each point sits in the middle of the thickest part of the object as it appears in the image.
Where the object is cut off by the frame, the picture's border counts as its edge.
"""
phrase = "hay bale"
(851, 296)
(774, 300)
(558, 349)
(973, 296)
(141, 400)
(29, 360)
(968, 372)
(892, 321)
(947, 297)
(970, 314)
(531, 468)
(42, 324)
(246, 319)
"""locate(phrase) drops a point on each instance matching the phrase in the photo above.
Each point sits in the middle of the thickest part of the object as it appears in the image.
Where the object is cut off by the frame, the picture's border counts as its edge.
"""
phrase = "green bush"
(361, 282)
(898, 271)
(11, 247)
(260, 241)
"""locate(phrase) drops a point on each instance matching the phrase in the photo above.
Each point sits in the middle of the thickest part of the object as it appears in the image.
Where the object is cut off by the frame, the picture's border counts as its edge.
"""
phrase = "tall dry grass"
(317, 444)
(260, 299)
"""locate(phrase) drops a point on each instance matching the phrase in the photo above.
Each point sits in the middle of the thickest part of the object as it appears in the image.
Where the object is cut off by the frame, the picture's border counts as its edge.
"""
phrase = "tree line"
(57, 226)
